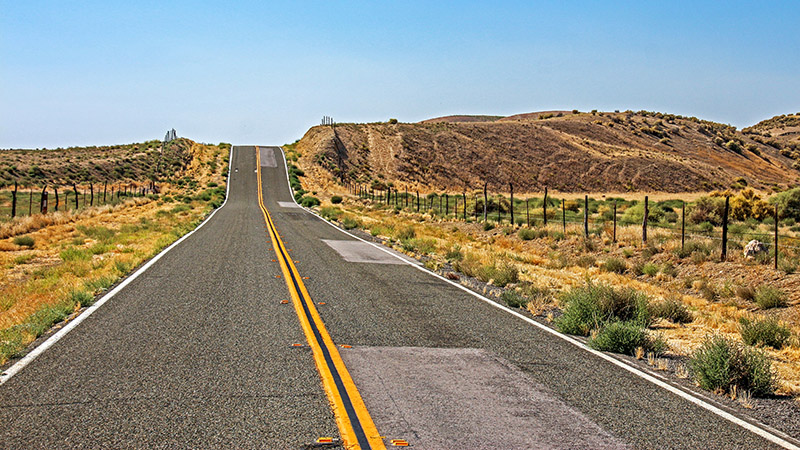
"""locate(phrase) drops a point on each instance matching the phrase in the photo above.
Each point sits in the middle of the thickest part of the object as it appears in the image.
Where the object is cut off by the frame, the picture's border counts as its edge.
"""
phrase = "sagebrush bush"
(770, 297)
(671, 309)
(336, 199)
(309, 201)
(615, 265)
(650, 269)
(768, 332)
(626, 337)
(589, 307)
(514, 299)
(81, 297)
(500, 274)
(349, 223)
(330, 212)
(24, 241)
(720, 364)
(526, 234)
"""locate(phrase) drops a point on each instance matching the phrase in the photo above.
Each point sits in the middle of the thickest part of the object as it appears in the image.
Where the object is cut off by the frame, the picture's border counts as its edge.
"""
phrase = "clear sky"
(260, 72)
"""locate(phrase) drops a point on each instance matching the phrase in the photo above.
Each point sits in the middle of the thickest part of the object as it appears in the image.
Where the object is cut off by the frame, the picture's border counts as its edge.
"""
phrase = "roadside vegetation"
(53, 265)
(656, 301)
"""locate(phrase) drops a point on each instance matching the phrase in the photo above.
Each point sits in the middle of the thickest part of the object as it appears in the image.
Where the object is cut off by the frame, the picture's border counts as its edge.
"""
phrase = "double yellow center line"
(355, 424)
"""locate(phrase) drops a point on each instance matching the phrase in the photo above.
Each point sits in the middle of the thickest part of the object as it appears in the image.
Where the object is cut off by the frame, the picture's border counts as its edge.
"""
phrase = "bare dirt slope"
(584, 152)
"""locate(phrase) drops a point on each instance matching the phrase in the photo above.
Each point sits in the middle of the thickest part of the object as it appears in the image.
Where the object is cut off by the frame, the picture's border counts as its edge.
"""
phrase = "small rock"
(753, 248)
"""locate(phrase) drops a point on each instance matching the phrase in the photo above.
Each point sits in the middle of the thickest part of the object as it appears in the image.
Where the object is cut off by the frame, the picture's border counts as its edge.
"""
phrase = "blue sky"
(95, 73)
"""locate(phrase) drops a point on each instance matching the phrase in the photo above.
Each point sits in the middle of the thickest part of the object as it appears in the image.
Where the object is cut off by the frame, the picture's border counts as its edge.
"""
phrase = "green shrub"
(650, 269)
(336, 199)
(770, 297)
(526, 234)
(615, 265)
(309, 201)
(81, 297)
(626, 337)
(720, 364)
(514, 299)
(500, 274)
(330, 212)
(423, 246)
(24, 241)
(349, 223)
(454, 254)
(74, 254)
(671, 309)
(488, 226)
(767, 332)
(590, 307)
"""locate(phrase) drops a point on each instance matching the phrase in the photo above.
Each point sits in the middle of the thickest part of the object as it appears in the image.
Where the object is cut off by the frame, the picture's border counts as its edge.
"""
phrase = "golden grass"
(88, 250)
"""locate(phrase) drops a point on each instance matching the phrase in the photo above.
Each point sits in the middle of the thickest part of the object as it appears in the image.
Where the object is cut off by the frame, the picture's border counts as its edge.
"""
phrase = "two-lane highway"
(200, 351)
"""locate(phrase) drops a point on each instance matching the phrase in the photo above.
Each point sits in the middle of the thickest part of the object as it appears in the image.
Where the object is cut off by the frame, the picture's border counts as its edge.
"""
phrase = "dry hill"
(565, 151)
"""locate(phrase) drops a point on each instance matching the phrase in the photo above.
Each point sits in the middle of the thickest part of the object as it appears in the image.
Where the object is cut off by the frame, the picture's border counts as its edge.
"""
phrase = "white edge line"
(679, 392)
(41, 348)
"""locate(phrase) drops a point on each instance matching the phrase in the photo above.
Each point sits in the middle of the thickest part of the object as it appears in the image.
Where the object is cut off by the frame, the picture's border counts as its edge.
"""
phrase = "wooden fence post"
(446, 204)
(644, 220)
(776, 237)
(683, 225)
(464, 197)
(724, 252)
(564, 216)
(14, 200)
(485, 200)
(417, 201)
(75, 188)
(105, 186)
(614, 235)
(55, 190)
(511, 188)
(544, 206)
(44, 201)
(91, 189)
(586, 216)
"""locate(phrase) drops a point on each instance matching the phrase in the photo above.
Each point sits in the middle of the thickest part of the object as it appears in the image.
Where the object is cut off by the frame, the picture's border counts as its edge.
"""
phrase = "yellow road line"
(302, 303)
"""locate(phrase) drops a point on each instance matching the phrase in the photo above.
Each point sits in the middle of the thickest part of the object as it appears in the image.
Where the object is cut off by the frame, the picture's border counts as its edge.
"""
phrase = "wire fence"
(499, 209)
(47, 199)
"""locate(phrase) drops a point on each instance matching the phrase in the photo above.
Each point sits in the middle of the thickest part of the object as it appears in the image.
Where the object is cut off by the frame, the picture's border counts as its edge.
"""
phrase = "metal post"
(724, 252)
(614, 238)
(544, 206)
(586, 216)
(644, 220)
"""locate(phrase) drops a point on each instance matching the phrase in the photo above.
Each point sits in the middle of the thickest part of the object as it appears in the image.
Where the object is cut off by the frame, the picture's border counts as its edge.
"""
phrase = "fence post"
(464, 197)
(586, 216)
(544, 207)
(44, 201)
(724, 252)
(105, 186)
(485, 200)
(564, 217)
(644, 220)
(528, 212)
(776, 237)
(446, 205)
(405, 197)
(75, 188)
(511, 187)
(683, 225)
(14, 200)
(91, 189)
(614, 236)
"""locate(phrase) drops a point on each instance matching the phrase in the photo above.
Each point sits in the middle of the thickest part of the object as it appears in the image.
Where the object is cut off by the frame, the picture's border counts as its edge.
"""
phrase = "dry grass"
(80, 254)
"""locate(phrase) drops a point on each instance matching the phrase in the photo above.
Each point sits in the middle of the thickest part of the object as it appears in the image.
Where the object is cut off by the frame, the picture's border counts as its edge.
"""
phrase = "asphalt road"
(197, 353)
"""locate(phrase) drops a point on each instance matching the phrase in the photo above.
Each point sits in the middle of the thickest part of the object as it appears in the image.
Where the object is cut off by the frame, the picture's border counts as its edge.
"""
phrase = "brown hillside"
(603, 152)
(780, 132)
(463, 118)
